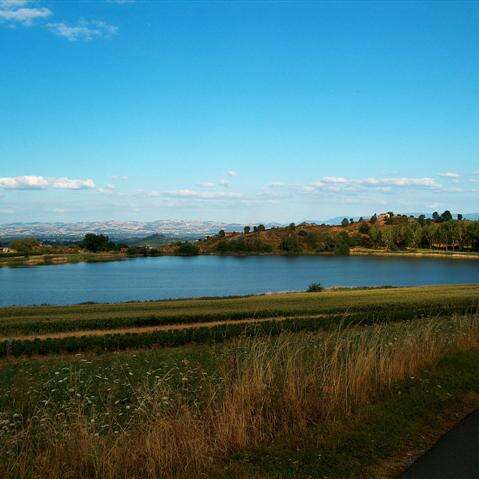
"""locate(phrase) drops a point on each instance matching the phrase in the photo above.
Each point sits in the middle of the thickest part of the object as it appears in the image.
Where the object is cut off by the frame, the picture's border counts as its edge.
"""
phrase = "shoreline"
(52, 259)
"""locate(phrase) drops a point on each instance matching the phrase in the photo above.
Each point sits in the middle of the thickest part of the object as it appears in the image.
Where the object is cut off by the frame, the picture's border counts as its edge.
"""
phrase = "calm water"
(176, 277)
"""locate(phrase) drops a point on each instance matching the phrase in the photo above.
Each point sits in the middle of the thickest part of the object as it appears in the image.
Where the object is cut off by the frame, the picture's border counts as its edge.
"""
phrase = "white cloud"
(193, 194)
(13, 3)
(41, 183)
(211, 184)
(119, 177)
(204, 195)
(450, 174)
(232, 173)
(207, 184)
(18, 11)
(84, 30)
(385, 184)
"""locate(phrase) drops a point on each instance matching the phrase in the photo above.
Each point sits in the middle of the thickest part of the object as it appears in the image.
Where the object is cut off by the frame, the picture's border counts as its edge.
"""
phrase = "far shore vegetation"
(384, 234)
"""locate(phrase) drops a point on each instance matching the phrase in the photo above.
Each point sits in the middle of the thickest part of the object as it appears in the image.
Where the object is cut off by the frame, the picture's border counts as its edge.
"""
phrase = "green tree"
(291, 245)
(388, 237)
(187, 249)
(446, 216)
(96, 243)
(375, 235)
(25, 246)
(364, 228)
(341, 247)
(345, 222)
(246, 230)
(221, 233)
(429, 233)
(311, 240)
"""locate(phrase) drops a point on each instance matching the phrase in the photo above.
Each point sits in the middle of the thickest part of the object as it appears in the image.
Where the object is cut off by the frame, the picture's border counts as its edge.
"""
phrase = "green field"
(330, 384)
(47, 329)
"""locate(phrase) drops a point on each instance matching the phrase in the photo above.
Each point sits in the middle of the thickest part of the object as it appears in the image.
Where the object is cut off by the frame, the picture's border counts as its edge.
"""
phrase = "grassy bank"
(52, 259)
(330, 404)
(415, 253)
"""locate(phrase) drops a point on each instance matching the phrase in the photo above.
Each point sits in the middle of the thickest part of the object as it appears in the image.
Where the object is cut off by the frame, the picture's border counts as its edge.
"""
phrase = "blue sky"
(236, 111)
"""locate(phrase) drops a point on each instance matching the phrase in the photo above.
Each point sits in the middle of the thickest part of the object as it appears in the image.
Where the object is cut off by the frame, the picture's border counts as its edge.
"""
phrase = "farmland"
(225, 387)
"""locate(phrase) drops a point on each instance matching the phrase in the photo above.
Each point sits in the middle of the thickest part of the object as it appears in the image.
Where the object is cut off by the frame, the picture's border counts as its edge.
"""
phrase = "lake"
(185, 277)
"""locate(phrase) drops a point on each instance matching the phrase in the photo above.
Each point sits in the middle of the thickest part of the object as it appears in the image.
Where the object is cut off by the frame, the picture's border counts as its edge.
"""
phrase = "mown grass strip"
(327, 301)
(178, 337)
(387, 311)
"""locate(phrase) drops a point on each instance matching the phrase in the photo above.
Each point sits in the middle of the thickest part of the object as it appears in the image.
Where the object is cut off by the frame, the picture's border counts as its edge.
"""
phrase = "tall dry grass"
(270, 387)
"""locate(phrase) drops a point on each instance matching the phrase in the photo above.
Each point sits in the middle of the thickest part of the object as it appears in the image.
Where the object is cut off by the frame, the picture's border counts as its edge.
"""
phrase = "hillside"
(387, 231)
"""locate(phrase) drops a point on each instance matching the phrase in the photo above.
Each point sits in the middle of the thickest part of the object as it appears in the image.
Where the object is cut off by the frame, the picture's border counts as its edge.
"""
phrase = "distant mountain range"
(118, 230)
(132, 231)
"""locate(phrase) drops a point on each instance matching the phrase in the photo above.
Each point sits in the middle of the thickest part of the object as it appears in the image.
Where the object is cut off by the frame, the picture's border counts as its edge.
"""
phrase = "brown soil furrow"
(147, 329)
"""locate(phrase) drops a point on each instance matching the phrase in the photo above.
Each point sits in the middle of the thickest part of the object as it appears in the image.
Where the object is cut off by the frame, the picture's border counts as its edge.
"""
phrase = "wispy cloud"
(383, 184)
(213, 184)
(205, 195)
(207, 184)
(7, 211)
(119, 178)
(193, 194)
(21, 12)
(42, 183)
(232, 173)
(450, 174)
(84, 30)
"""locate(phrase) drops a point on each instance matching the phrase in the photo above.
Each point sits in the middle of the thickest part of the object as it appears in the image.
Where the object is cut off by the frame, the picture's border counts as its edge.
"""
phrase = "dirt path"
(148, 329)
(454, 456)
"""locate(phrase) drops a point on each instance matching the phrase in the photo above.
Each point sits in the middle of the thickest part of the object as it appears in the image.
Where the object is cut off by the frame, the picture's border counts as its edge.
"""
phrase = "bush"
(291, 245)
(341, 248)
(364, 228)
(315, 288)
(187, 249)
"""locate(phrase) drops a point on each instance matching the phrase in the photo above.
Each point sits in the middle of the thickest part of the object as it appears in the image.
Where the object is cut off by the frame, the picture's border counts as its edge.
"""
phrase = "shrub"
(187, 249)
(341, 248)
(291, 245)
(315, 288)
